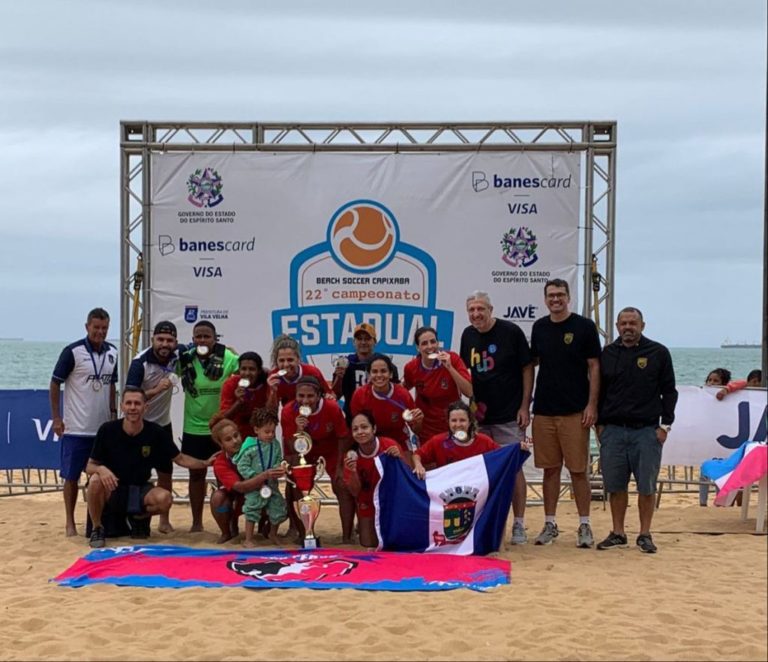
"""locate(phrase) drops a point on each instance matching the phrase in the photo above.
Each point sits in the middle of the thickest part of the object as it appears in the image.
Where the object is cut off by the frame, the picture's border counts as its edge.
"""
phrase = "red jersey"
(435, 390)
(226, 477)
(387, 411)
(286, 390)
(442, 449)
(326, 426)
(369, 476)
(254, 398)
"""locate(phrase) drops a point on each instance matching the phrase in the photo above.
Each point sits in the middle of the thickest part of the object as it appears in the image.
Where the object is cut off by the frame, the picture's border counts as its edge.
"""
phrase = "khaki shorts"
(560, 440)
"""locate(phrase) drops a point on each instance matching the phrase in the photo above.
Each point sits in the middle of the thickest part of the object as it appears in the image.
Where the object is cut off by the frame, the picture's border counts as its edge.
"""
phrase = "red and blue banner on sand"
(165, 566)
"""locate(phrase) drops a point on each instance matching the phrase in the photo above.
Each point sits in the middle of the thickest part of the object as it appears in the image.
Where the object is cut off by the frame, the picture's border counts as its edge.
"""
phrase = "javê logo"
(519, 247)
(204, 188)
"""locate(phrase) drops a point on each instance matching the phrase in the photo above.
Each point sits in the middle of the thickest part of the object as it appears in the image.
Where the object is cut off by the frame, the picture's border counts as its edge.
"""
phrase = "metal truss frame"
(139, 139)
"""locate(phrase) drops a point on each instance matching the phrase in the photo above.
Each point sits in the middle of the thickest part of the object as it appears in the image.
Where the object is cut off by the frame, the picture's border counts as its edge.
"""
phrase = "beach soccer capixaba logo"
(459, 505)
(363, 236)
(361, 272)
(204, 186)
(518, 247)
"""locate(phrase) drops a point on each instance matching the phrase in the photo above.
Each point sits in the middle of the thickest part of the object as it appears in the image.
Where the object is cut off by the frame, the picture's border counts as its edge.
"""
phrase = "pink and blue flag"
(745, 466)
(165, 566)
(460, 508)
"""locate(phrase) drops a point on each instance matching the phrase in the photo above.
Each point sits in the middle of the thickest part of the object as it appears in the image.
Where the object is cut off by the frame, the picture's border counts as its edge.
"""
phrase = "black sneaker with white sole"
(645, 543)
(613, 540)
(98, 539)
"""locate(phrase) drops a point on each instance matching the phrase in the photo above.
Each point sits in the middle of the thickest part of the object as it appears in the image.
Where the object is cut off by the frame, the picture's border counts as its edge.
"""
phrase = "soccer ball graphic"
(363, 236)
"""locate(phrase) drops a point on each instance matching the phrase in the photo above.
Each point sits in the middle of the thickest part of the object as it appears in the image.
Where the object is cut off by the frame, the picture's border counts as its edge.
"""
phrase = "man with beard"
(154, 372)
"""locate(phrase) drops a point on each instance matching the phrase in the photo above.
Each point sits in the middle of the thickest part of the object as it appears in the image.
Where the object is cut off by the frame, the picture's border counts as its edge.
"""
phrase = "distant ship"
(727, 344)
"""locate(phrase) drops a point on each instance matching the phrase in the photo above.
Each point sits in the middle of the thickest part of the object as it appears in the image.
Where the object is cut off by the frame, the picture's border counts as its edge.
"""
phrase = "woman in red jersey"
(439, 378)
(243, 392)
(389, 403)
(287, 369)
(324, 422)
(360, 474)
(460, 442)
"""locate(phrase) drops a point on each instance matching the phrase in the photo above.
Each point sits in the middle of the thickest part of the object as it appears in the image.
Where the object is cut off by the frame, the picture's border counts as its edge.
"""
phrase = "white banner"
(707, 428)
(313, 244)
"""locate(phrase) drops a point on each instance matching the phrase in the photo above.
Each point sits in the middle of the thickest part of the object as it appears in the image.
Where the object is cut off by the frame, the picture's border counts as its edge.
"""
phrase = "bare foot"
(347, 541)
(248, 543)
(196, 528)
(291, 533)
(71, 530)
(165, 526)
(273, 538)
(223, 538)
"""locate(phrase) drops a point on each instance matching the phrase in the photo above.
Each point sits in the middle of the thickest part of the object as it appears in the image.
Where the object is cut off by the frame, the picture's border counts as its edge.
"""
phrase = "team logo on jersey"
(518, 247)
(204, 188)
(444, 383)
(145, 451)
(642, 362)
(568, 338)
(459, 505)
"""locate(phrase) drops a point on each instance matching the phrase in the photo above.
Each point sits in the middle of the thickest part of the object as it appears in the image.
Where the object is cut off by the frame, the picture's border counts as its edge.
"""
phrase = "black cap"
(165, 327)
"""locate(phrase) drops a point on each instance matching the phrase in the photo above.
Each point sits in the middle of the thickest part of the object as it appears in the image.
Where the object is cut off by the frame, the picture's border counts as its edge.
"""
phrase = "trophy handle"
(287, 468)
(319, 467)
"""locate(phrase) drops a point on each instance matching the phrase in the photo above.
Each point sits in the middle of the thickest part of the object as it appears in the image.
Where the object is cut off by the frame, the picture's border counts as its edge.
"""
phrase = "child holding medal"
(260, 457)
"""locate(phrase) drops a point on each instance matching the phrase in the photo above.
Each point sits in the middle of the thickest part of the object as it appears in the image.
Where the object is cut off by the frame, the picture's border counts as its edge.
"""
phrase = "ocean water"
(25, 364)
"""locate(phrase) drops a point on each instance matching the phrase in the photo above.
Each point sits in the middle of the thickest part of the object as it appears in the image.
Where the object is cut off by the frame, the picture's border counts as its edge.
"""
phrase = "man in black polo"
(635, 414)
(124, 453)
(154, 371)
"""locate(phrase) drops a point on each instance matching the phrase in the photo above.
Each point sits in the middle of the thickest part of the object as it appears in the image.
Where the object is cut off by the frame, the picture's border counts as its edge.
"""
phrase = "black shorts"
(200, 446)
(166, 468)
(128, 499)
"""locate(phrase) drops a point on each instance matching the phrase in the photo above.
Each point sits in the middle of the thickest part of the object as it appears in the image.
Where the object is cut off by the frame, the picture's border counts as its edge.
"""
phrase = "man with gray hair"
(497, 354)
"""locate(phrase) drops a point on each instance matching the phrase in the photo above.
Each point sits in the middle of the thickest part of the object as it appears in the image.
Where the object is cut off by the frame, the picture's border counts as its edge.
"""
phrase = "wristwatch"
(666, 428)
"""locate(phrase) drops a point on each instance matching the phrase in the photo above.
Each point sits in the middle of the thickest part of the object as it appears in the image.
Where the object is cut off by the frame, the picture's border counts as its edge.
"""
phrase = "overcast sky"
(684, 80)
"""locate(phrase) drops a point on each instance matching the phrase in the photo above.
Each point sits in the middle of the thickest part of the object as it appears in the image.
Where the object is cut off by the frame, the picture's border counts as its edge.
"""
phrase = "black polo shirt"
(132, 458)
(637, 385)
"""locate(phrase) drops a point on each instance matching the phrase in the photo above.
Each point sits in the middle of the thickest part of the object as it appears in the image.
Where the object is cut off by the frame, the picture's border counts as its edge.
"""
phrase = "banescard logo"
(518, 247)
(166, 245)
(481, 181)
(363, 236)
(204, 186)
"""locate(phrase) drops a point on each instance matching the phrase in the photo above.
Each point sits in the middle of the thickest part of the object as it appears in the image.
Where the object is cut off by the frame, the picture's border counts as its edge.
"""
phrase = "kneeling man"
(124, 453)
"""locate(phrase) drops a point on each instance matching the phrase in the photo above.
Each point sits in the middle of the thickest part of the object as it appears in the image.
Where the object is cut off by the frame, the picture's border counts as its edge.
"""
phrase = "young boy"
(227, 500)
(259, 459)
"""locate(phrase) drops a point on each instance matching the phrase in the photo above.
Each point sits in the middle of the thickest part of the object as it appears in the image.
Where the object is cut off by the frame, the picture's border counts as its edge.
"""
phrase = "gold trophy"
(304, 476)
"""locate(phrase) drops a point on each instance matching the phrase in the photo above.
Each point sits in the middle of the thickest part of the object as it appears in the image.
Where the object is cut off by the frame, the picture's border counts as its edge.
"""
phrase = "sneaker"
(645, 543)
(519, 536)
(548, 534)
(584, 537)
(98, 539)
(613, 540)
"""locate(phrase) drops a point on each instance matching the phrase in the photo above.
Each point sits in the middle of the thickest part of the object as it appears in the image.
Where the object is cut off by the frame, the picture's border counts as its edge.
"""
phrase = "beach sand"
(703, 596)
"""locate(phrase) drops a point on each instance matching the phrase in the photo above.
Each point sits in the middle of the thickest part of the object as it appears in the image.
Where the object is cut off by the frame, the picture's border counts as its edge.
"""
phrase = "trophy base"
(311, 543)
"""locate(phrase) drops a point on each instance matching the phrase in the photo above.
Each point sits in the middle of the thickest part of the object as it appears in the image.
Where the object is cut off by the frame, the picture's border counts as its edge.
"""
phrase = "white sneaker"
(519, 536)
